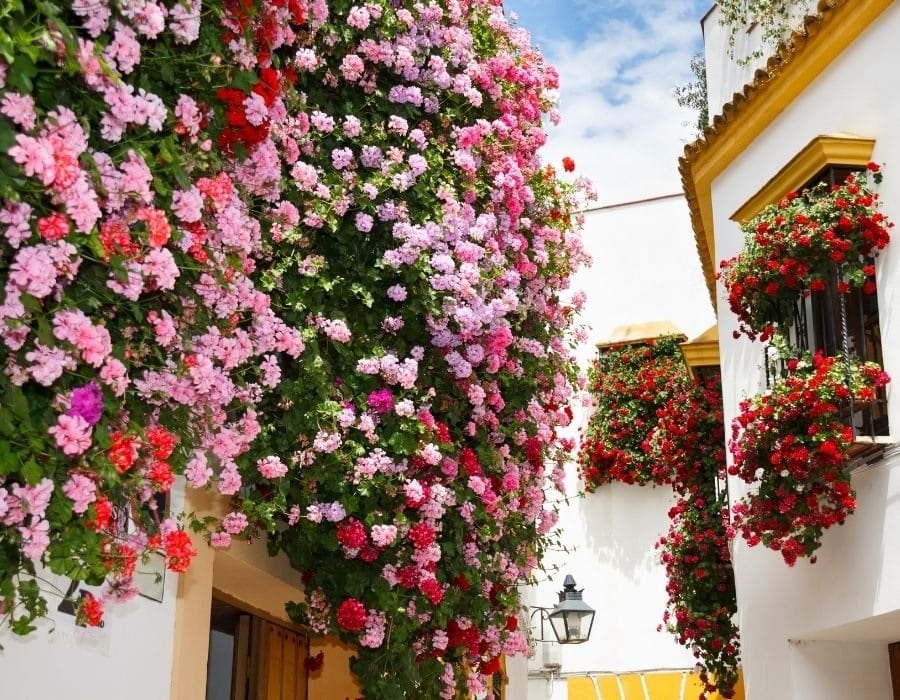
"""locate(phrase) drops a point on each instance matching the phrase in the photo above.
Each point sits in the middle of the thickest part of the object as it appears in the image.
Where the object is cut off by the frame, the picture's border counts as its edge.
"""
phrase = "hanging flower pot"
(792, 247)
(792, 442)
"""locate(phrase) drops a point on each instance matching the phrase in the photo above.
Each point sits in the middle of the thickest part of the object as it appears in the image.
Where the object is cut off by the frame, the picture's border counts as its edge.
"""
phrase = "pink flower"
(341, 158)
(220, 540)
(184, 21)
(270, 371)
(16, 217)
(81, 490)
(383, 535)
(72, 434)
(229, 479)
(35, 538)
(271, 467)
(363, 222)
(352, 67)
(36, 158)
(124, 49)
(235, 523)
(255, 109)
(33, 271)
(336, 330)
(34, 500)
(160, 265)
(49, 363)
(114, 374)
(358, 17)
(20, 109)
(187, 205)
(197, 472)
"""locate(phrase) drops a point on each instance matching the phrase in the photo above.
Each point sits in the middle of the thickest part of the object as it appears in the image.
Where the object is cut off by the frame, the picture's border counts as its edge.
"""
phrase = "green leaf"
(15, 399)
(8, 460)
(32, 472)
(6, 428)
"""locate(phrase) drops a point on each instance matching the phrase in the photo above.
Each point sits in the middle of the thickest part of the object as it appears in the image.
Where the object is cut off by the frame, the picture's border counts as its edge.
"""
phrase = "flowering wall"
(654, 424)
(305, 254)
(629, 384)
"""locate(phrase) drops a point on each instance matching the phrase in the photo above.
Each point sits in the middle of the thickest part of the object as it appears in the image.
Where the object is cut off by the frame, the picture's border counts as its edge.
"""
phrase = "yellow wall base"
(656, 685)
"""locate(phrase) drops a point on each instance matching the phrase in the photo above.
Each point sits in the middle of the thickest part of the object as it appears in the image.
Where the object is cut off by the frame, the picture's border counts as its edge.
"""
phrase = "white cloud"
(621, 123)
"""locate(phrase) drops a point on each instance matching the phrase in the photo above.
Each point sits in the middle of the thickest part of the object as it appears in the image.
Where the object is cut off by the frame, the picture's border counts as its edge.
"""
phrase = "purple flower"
(87, 402)
(381, 400)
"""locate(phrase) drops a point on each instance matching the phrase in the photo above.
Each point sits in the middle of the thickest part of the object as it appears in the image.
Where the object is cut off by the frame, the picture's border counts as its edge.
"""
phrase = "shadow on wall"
(623, 522)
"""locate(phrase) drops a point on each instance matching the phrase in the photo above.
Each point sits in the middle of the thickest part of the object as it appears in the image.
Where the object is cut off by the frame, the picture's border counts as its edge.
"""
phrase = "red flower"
(53, 227)
(314, 663)
(568, 164)
(102, 514)
(469, 460)
(90, 611)
(432, 590)
(162, 441)
(351, 615)
(122, 452)
(351, 533)
(491, 666)
(160, 473)
(421, 535)
(179, 551)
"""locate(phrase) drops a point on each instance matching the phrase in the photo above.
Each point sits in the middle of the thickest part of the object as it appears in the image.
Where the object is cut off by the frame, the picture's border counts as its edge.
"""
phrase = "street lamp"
(571, 618)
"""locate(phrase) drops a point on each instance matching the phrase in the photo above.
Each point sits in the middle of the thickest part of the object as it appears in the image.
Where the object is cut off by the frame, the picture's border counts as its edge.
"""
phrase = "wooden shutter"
(894, 653)
(269, 662)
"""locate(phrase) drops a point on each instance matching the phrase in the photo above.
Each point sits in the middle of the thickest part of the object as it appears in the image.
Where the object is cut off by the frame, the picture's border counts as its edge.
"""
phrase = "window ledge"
(865, 451)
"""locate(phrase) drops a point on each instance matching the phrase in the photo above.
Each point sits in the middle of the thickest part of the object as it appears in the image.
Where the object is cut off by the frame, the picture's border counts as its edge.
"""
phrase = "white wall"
(130, 657)
(857, 576)
(645, 269)
(726, 77)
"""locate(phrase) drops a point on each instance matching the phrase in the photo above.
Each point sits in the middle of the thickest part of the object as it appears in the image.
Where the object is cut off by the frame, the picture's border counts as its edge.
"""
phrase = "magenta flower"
(381, 400)
(87, 402)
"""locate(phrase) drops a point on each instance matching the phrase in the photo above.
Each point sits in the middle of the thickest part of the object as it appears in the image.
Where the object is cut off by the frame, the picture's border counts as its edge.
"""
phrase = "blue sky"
(618, 62)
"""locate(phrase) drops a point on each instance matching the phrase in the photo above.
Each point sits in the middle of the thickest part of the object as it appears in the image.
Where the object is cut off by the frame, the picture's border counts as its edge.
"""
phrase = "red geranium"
(791, 249)
(792, 441)
(90, 610)
(351, 615)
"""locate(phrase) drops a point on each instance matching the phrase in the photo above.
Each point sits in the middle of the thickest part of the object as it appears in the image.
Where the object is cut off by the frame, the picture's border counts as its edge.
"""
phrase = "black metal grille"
(837, 324)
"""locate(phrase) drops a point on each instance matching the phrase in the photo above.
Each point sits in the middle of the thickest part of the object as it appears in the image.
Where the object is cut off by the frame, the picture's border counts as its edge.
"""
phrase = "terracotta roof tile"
(731, 111)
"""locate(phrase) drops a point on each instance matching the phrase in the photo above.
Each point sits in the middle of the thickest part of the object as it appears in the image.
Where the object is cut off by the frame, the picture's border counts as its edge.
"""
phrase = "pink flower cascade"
(349, 313)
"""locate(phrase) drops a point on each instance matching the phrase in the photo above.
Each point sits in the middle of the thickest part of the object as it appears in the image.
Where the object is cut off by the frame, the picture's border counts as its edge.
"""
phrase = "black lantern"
(571, 618)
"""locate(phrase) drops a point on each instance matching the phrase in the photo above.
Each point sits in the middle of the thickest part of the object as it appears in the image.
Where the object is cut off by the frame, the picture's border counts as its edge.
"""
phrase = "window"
(833, 323)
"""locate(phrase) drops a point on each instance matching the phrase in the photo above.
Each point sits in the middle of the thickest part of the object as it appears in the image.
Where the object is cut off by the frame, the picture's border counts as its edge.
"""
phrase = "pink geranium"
(72, 434)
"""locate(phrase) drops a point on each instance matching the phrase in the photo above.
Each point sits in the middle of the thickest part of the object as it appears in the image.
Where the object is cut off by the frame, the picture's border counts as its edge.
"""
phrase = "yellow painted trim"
(639, 334)
(244, 575)
(643, 685)
(192, 607)
(822, 151)
(701, 354)
(702, 351)
(797, 63)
